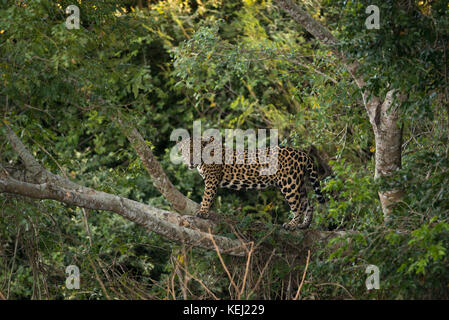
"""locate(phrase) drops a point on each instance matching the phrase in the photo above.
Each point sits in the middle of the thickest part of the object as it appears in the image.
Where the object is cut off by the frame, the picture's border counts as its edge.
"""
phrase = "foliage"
(231, 64)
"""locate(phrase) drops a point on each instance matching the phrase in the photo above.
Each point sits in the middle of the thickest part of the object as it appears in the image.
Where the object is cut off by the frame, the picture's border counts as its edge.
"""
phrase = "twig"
(262, 272)
(98, 279)
(51, 157)
(45, 111)
(222, 262)
(172, 282)
(13, 262)
(198, 280)
(105, 272)
(182, 280)
(335, 284)
(250, 251)
(303, 276)
(86, 224)
(296, 61)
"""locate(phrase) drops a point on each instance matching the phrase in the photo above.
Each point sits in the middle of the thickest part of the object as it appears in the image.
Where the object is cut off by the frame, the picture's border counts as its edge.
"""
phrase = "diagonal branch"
(42, 184)
(35, 171)
(309, 23)
(322, 34)
(160, 180)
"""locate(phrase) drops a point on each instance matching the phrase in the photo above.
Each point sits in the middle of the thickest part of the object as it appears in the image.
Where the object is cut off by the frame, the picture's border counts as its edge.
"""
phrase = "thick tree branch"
(179, 202)
(42, 184)
(35, 171)
(165, 223)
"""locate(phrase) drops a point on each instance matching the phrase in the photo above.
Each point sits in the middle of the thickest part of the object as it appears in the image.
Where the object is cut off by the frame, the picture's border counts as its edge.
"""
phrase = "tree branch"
(43, 184)
(35, 171)
(321, 33)
(310, 24)
(160, 221)
(160, 180)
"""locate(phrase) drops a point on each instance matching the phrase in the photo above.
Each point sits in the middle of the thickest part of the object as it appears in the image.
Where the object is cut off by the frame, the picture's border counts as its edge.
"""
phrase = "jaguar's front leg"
(210, 192)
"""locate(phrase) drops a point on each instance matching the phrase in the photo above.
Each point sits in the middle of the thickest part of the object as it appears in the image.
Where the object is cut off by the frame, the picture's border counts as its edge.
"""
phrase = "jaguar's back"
(283, 167)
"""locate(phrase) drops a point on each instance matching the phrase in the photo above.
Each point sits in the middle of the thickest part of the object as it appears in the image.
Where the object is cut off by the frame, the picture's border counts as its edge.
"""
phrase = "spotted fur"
(292, 167)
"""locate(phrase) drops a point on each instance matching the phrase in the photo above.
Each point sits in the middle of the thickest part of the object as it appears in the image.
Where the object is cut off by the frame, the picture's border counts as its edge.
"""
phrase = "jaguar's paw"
(289, 227)
(202, 215)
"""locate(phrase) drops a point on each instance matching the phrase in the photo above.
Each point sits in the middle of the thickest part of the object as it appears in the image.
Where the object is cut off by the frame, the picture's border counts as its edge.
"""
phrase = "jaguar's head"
(188, 149)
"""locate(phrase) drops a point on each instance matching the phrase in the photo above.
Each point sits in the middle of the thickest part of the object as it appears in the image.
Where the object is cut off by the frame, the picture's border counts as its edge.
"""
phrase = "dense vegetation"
(231, 64)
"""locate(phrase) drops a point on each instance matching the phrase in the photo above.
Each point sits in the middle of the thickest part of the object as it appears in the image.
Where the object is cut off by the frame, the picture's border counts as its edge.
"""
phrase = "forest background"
(87, 115)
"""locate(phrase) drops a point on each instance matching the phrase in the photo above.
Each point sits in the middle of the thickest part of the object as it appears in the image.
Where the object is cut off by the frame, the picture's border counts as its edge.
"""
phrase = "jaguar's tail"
(313, 177)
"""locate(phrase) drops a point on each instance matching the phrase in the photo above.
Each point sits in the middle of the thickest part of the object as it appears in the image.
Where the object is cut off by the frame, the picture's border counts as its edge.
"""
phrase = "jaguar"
(243, 170)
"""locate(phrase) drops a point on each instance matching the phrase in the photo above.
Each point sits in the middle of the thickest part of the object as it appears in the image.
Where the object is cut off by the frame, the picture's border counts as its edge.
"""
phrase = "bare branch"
(160, 180)
(42, 184)
(144, 215)
(303, 276)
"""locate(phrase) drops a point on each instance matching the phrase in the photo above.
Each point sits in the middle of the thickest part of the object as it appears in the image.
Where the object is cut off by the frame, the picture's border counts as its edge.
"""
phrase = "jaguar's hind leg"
(299, 204)
(307, 211)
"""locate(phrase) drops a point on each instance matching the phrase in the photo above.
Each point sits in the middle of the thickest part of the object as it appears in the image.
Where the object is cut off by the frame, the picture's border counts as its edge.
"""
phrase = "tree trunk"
(383, 115)
(388, 135)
